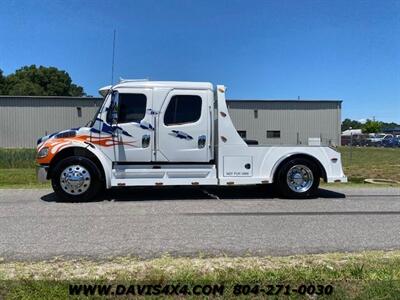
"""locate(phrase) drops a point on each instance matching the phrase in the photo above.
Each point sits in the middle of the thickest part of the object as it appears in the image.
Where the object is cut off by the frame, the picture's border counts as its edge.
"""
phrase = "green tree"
(390, 125)
(76, 90)
(41, 81)
(372, 126)
(347, 123)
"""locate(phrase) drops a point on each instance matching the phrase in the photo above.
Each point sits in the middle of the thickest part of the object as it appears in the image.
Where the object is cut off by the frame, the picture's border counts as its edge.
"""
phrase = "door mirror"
(112, 116)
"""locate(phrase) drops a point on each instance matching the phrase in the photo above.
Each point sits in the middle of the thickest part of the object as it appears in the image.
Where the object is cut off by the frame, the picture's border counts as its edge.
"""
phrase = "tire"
(76, 178)
(298, 179)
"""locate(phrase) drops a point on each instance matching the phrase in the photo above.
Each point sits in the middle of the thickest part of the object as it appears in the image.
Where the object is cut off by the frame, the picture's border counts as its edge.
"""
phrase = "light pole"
(351, 144)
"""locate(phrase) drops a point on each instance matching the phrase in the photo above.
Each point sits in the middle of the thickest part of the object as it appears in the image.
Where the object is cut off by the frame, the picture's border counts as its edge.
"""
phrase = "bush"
(17, 158)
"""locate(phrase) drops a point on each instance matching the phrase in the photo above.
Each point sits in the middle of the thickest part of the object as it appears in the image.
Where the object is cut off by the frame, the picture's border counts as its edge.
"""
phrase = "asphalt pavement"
(149, 222)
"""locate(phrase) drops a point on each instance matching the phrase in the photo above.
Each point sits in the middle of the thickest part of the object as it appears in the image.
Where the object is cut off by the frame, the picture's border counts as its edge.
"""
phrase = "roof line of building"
(51, 97)
(284, 100)
(228, 100)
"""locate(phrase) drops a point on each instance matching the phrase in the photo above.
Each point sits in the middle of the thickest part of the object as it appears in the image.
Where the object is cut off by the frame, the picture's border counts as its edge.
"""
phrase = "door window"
(132, 108)
(183, 109)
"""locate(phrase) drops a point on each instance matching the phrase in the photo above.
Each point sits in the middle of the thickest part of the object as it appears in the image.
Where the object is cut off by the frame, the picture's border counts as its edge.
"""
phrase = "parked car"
(391, 142)
(377, 139)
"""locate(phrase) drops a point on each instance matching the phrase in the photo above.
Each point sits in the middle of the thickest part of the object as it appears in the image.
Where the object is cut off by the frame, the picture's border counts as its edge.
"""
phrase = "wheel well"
(75, 151)
(304, 156)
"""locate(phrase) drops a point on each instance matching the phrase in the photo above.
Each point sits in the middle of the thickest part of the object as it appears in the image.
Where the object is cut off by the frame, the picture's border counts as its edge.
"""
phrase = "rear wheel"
(76, 178)
(298, 178)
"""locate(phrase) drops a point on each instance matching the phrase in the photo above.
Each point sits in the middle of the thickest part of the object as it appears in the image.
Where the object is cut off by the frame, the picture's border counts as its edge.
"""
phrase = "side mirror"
(114, 117)
(113, 113)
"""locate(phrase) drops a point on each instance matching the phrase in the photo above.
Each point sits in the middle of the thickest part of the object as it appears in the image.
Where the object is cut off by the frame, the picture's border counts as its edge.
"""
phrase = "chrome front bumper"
(41, 173)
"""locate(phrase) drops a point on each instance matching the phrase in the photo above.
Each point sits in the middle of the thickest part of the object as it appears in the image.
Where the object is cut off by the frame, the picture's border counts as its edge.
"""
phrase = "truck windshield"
(91, 122)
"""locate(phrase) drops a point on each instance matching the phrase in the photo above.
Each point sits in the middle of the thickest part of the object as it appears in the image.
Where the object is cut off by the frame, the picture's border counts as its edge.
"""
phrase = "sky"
(281, 49)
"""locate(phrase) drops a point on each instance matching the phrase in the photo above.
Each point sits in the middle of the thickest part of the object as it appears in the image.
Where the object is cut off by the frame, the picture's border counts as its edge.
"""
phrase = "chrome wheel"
(299, 178)
(75, 180)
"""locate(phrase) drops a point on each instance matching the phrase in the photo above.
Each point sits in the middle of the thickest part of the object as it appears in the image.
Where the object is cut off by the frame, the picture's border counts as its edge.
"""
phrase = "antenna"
(113, 57)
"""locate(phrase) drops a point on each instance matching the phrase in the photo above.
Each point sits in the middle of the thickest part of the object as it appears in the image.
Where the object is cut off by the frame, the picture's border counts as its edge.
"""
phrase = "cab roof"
(157, 84)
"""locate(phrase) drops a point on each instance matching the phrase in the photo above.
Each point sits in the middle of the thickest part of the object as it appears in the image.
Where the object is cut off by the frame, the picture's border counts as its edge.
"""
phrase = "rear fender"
(290, 156)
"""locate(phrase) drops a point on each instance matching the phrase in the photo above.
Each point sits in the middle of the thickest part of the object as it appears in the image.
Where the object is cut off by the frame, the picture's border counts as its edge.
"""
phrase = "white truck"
(160, 133)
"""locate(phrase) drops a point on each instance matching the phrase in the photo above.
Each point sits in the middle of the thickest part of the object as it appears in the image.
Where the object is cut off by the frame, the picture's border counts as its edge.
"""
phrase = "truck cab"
(155, 133)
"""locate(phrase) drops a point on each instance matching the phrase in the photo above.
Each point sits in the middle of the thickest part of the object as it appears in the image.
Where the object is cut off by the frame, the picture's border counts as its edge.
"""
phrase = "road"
(184, 221)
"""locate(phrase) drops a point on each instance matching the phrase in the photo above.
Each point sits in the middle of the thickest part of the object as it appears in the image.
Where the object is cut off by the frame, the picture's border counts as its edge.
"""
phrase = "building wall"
(24, 119)
(296, 120)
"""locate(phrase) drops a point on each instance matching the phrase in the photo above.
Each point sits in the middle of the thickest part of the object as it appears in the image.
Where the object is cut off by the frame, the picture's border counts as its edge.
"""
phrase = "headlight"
(43, 152)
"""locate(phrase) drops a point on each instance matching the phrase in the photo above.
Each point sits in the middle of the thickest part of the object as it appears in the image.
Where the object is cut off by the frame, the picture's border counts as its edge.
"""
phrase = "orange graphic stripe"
(57, 145)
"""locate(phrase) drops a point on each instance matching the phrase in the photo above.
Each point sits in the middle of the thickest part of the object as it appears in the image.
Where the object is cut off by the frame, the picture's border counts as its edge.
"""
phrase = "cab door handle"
(201, 142)
(145, 140)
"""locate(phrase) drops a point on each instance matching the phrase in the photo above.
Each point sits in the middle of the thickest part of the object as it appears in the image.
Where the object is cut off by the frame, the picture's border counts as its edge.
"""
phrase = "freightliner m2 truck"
(160, 133)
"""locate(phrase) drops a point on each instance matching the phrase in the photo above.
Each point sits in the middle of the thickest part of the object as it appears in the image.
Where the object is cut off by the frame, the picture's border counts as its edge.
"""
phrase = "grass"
(17, 166)
(370, 162)
(17, 158)
(20, 178)
(367, 275)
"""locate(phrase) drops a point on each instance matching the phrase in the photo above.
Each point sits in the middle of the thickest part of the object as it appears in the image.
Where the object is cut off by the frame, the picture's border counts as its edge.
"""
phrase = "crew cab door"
(133, 133)
(183, 127)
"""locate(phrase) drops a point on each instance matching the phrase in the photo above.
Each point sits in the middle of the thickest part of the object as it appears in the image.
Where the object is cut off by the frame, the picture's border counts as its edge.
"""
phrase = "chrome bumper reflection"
(41, 172)
(342, 179)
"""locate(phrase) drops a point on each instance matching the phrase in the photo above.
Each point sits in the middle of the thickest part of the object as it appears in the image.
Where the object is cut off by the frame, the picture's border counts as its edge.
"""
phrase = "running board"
(145, 175)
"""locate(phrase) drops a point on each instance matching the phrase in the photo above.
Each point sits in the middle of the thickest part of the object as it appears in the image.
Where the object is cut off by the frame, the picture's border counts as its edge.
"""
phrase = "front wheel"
(298, 178)
(76, 178)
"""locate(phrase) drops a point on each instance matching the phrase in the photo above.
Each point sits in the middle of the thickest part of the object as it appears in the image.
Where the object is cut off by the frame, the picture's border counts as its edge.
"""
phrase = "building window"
(132, 108)
(242, 133)
(79, 111)
(183, 109)
(256, 114)
(273, 134)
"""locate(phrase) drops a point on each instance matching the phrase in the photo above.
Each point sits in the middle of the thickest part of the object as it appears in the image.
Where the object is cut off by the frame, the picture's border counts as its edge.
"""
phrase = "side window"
(273, 134)
(183, 109)
(242, 133)
(132, 108)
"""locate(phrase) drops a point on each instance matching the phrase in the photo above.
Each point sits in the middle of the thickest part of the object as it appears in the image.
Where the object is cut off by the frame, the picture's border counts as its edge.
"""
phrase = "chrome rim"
(300, 178)
(75, 180)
